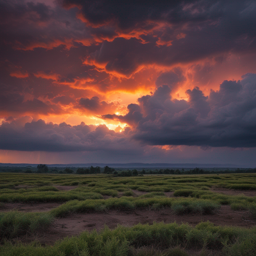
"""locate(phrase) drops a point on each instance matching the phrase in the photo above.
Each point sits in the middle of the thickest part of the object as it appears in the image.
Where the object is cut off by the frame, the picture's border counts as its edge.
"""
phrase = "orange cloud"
(180, 36)
(49, 46)
(160, 42)
(50, 76)
(19, 74)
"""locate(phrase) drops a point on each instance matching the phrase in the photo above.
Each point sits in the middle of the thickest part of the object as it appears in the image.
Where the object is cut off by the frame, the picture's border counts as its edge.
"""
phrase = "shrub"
(128, 193)
(145, 251)
(161, 236)
(245, 247)
(13, 223)
(152, 194)
(183, 192)
(199, 206)
(252, 210)
(238, 206)
(176, 252)
(242, 186)
(47, 188)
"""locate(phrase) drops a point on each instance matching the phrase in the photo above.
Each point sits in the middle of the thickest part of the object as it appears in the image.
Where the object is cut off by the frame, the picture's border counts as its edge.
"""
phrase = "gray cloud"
(199, 30)
(95, 105)
(15, 103)
(224, 119)
(171, 78)
(26, 135)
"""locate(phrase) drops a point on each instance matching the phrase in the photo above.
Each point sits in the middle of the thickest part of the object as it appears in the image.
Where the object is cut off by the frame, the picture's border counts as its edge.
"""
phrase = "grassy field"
(186, 196)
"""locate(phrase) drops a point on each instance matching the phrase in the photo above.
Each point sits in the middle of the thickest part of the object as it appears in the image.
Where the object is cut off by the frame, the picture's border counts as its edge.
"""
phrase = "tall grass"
(179, 206)
(198, 206)
(164, 239)
(13, 224)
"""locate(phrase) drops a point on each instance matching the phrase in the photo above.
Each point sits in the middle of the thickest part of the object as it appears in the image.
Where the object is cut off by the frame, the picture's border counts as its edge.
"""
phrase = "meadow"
(105, 214)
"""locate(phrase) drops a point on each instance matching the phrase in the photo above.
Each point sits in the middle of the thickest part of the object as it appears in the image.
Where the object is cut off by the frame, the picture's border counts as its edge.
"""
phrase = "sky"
(112, 81)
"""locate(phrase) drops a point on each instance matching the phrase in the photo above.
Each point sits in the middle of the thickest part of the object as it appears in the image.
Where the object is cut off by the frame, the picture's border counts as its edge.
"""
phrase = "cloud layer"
(224, 119)
(128, 76)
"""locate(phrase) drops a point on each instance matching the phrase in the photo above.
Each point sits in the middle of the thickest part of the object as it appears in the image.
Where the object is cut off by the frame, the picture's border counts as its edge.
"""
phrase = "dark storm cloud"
(16, 104)
(189, 31)
(27, 25)
(132, 118)
(39, 136)
(132, 13)
(144, 33)
(63, 100)
(95, 105)
(224, 119)
(171, 78)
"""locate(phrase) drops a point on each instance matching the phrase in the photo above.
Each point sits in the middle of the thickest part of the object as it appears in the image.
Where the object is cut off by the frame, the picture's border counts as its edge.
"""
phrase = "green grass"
(13, 224)
(152, 194)
(252, 209)
(192, 194)
(157, 239)
(239, 206)
(150, 251)
(179, 206)
(242, 186)
(183, 192)
(198, 206)
(128, 193)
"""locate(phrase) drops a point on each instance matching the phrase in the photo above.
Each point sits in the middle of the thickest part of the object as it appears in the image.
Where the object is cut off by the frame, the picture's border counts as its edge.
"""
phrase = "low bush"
(107, 192)
(244, 247)
(152, 194)
(150, 251)
(128, 193)
(47, 188)
(176, 252)
(252, 209)
(14, 223)
(236, 206)
(198, 206)
(183, 192)
(164, 238)
(48, 196)
(242, 186)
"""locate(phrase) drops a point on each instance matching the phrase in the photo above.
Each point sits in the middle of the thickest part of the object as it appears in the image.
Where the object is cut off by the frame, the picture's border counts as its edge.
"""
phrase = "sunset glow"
(127, 82)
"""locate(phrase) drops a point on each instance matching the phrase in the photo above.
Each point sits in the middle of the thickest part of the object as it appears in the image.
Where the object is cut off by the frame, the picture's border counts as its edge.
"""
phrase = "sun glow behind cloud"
(134, 80)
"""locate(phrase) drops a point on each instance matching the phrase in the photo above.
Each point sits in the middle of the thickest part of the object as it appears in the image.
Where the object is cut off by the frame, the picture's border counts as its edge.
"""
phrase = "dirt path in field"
(29, 207)
(75, 224)
(233, 192)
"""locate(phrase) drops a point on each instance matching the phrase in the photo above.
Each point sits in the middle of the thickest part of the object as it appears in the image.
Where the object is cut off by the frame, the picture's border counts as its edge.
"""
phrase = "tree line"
(43, 168)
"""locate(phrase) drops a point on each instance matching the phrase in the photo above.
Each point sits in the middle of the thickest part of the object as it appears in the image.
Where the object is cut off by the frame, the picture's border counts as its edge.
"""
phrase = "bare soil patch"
(233, 192)
(169, 194)
(139, 193)
(75, 224)
(66, 188)
(29, 207)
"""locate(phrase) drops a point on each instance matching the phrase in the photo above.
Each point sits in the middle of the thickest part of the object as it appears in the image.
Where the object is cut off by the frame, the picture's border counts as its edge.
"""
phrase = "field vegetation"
(184, 195)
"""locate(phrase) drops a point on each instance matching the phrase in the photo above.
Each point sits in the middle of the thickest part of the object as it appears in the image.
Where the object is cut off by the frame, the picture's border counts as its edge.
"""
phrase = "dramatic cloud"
(95, 105)
(171, 78)
(148, 74)
(15, 104)
(172, 32)
(224, 119)
(39, 136)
